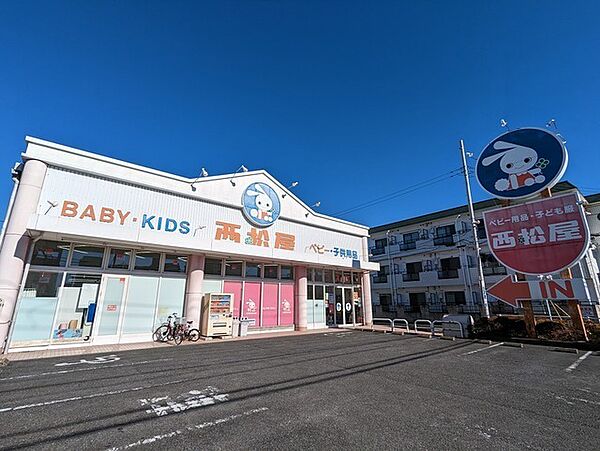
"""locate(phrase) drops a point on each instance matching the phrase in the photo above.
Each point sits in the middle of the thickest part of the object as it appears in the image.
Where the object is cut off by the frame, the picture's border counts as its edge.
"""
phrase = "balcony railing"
(448, 274)
(411, 276)
(494, 271)
(380, 279)
(445, 240)
(377, 250)
(408, 246)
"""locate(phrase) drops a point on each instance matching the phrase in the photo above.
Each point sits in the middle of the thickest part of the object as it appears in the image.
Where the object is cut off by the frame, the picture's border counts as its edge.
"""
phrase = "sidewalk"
(100, 349)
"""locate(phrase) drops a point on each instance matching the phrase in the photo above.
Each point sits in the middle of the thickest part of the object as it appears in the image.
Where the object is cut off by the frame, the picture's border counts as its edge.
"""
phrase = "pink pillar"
(300, 289)
(193, 289)
(13, 254)
(366, 292)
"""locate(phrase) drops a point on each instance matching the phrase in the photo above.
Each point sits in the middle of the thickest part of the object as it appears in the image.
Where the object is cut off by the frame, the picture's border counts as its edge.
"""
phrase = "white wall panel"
(134, 202)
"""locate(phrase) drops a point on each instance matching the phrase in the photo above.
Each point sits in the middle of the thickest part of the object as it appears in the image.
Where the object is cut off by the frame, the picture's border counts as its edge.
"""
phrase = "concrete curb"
(513, 345)
(568, 350)
(447, 338)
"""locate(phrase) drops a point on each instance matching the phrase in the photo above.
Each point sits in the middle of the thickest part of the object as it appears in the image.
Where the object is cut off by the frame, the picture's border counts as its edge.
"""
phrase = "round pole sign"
(521, 163)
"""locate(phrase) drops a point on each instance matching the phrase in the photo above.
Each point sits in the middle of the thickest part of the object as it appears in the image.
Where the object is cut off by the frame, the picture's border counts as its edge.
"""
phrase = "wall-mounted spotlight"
(293, 185)
(315, 205)
(242, 168)
(203, 173)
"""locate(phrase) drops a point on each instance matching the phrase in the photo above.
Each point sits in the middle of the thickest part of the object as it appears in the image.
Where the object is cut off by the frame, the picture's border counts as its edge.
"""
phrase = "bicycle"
(174, 330)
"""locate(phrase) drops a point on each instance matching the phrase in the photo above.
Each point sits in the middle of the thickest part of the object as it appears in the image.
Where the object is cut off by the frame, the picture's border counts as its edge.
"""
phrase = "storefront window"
(147, 261)
(318, 275)
(338, 277)
(119, 258)
(271, 271)
(87, 256)
(212, 266)
(175, 263)
(33, 324)
(310, 292)
(42, 284)
(356, 278)
(328, 276)
(50, 253)
(252, 270)
(287, 272)
(309, 275)
(234, 268)
(347, 279)
(319, 292)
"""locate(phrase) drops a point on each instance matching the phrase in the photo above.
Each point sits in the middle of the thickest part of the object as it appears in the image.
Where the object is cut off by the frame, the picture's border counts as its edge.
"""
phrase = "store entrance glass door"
(74, 317)
(330, 304)
(110, 309)
(339, 306)
(348, 306)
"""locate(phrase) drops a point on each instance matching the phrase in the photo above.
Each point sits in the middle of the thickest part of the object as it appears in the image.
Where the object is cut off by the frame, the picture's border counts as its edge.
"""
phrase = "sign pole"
(485, 309)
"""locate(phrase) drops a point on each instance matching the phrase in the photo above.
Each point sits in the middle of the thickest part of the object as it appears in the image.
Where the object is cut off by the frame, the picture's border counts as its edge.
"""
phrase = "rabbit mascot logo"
(261, 204)
(521, 164)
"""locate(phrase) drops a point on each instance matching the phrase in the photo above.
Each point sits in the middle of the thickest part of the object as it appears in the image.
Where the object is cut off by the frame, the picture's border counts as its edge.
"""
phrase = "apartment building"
(428, 265)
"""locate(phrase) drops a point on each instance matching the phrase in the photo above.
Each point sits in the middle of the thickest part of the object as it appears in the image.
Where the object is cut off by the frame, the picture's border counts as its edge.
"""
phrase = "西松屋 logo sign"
(539, 237)
(521, 163)
(261, 204)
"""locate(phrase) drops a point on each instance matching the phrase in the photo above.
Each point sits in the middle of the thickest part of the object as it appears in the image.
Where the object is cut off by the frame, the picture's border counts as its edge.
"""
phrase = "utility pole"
(484, 300)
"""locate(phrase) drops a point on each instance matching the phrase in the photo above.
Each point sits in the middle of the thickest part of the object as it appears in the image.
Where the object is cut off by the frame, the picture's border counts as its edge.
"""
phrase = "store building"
(429, 265)
(96, 250)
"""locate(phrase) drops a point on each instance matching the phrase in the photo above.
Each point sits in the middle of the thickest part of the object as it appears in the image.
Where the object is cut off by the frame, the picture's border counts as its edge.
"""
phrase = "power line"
(402, 192)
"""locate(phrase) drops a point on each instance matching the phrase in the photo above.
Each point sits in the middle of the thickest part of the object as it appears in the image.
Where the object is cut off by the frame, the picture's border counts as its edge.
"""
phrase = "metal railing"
(448, 274)
(403, 321)
(442, 322)
(380, 279)
(389, 320)
(410, 276)
(421, 321)
(377, 250)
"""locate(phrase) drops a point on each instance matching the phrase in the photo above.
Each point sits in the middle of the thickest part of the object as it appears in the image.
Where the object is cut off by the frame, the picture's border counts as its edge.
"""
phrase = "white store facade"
(95, 250)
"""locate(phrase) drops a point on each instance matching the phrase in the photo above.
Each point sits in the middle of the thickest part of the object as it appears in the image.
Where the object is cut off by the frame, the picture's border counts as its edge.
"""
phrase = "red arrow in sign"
(507, 290)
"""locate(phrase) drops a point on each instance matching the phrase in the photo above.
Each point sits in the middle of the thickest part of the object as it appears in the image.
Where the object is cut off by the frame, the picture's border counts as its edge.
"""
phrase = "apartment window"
(491, 266)
(212, 266)
(416, 300)
(412, 271)
(252, 270)
(450, 267)
(385, 301)
(409, 241)
(481, 231)
(119, 258)
(287, 272)
(455, 298)
(50, 253)
(270, 271)
(444, 235)
(381, 243)
(87, 256)
(234, 268)
(175, 263)
(147, 261)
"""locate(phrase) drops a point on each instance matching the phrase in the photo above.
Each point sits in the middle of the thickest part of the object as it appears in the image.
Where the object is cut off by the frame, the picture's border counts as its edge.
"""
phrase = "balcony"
(448, 274)
(380, 279)
(494, 271)
(445, 240)
(411, 276)
(407, 246)
(377, 250)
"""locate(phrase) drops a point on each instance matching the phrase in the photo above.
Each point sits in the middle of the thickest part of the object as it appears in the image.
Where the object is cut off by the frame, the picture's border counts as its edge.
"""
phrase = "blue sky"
(353, 99)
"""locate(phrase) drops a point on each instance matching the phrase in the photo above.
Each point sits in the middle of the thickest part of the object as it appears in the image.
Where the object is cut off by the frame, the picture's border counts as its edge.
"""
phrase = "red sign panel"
(540, 237)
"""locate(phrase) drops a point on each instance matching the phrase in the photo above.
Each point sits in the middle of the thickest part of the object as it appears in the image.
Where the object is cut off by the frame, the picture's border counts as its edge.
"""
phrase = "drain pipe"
(15, 173)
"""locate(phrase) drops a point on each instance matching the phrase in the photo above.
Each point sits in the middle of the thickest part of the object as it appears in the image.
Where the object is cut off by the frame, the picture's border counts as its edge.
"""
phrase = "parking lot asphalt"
(333, 390)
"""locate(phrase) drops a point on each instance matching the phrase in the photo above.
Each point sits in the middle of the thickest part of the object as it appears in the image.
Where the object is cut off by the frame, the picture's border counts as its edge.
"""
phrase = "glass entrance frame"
(342, 290)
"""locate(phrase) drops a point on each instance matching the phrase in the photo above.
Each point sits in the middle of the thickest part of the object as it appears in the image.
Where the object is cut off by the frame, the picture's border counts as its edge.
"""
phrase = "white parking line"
(93, 395)
(483, 349)
(50, 373)
(576, 363)
(195, 427)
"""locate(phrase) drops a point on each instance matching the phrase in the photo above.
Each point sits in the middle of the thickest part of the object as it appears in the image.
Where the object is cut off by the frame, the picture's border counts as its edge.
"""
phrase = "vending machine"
(217, 315)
